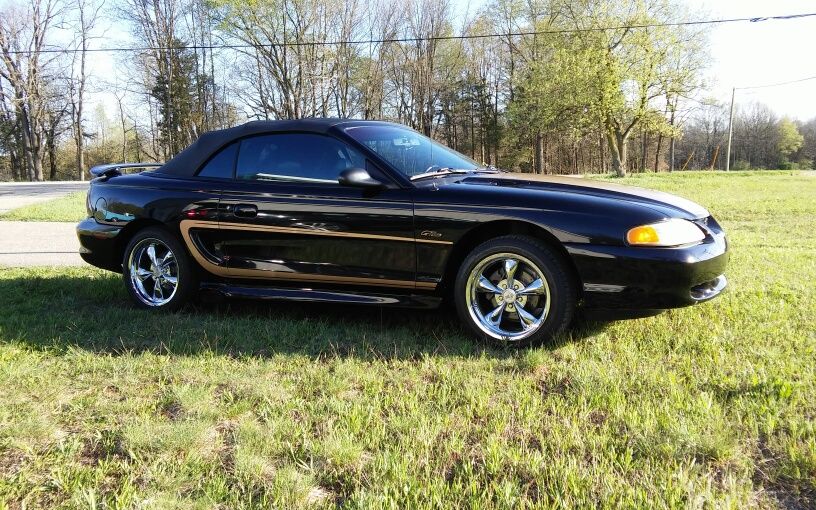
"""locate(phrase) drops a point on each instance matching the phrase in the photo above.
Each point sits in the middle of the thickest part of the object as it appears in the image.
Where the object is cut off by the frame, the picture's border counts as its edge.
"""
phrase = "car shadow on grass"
(65, 311)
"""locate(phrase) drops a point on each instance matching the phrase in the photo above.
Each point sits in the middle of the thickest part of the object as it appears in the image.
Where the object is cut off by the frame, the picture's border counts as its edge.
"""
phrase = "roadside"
(20, 194)
(46, 243)
(69, 208)
(51, 241)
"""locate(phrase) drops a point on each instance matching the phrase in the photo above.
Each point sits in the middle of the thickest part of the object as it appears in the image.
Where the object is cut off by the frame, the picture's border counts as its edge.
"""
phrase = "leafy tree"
(552, 95)
(622, 80)
(790, 140)
(807, 154)
(631, 69)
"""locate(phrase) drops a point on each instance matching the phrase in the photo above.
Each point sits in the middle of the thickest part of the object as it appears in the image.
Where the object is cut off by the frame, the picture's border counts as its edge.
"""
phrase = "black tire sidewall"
(562, 287)
(186, 285)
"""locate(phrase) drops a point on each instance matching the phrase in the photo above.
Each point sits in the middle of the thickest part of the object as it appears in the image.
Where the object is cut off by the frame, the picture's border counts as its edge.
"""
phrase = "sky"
(750, 54)
(746, 54)
(743, 54)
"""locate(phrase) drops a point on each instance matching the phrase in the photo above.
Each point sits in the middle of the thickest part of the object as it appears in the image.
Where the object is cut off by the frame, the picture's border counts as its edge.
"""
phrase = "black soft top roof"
(190, 159)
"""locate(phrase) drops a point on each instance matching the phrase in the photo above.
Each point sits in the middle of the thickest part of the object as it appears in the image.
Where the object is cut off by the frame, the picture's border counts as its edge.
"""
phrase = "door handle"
(245, 210)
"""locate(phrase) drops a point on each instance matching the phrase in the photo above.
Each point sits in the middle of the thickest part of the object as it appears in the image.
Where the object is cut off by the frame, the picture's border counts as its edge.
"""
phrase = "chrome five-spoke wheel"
(154, 272)
(508, 296)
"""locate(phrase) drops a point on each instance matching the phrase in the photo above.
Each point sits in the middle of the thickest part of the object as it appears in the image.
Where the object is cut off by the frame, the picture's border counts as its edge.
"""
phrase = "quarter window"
(221, 164)
(297, 157)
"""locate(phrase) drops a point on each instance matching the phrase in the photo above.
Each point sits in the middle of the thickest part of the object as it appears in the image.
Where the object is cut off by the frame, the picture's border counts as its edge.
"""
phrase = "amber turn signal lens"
(668, 233)
(643, 235)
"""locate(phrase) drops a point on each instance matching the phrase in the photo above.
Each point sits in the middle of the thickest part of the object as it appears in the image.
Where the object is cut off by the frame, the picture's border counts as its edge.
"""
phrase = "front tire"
(516, 290)
(156, 270)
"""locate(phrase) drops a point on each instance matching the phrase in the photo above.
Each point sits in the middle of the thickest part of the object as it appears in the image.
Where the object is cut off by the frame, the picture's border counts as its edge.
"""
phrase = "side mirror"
(358, 178)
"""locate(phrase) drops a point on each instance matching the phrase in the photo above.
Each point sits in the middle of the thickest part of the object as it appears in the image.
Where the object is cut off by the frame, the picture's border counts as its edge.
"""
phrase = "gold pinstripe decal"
(325, 233)
(186, 225)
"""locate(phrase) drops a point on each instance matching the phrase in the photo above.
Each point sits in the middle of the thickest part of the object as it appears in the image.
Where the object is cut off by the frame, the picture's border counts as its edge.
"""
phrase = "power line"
(755, 19)
(776, 84)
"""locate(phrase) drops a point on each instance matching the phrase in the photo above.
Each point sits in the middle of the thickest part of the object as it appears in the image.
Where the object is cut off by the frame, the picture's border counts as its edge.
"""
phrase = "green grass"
(69, 208)
(254, 405)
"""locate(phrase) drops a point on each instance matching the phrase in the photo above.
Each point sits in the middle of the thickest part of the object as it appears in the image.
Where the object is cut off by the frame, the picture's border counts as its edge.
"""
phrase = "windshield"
(410, 152)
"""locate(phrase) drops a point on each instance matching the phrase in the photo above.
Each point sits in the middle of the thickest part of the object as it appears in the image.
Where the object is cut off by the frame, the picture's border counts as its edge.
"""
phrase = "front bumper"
(636, 278)
(98, 244)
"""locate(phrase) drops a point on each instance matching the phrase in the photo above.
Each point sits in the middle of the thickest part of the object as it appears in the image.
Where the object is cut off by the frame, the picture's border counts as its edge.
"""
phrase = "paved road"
(18, 194)
(38, 243)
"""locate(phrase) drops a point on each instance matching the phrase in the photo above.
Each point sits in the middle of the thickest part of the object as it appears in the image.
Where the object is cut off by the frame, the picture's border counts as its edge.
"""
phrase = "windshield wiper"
(440, 172)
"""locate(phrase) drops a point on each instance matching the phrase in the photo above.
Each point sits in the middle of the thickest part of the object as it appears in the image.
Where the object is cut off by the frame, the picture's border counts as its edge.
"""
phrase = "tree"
(703, 133)
(756, 136)
(174, 93)
(807, 154)
(789, 139)
(10, 142)
(87, 14)
(23, 35)
(425, 80)
(283, 75)
(561, 89)
(629, 69)
(164, 69)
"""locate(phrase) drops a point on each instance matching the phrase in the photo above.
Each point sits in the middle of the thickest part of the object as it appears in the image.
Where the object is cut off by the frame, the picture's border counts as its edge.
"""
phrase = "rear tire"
(515, 290)
(156, 271)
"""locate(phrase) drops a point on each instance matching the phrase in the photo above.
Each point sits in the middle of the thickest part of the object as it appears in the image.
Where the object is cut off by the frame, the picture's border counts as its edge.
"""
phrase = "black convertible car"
(374, 213)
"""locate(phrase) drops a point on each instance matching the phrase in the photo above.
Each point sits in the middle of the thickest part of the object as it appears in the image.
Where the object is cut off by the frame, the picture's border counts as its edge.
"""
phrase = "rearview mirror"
(359, 178)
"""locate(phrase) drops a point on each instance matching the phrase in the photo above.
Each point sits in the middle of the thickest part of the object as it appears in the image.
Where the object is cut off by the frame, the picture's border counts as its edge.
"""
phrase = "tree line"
(545, 86)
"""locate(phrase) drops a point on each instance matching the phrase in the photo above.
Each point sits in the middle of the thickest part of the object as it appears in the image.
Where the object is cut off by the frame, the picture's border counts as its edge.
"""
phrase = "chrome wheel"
(153, 272)
(508, 296)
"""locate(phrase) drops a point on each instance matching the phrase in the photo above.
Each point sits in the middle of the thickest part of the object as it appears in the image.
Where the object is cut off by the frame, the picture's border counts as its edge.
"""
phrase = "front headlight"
(673, 232)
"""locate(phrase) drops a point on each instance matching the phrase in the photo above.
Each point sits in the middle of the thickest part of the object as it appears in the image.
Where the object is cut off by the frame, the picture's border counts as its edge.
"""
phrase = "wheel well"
(127, 233)
(493, 229)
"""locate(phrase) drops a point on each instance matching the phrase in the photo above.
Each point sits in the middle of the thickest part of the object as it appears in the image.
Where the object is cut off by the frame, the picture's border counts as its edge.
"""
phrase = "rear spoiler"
(114, 169)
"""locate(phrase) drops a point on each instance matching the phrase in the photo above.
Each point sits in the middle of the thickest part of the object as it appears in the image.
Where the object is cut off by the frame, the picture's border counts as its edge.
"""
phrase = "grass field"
(282, 406)
(71, 208)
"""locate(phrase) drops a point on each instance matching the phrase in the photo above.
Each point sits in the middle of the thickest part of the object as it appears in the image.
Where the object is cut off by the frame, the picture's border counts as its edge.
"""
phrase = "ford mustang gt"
(367, 212)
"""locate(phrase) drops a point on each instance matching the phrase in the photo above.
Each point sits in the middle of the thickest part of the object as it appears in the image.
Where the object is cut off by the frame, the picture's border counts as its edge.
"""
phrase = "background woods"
(547, 86)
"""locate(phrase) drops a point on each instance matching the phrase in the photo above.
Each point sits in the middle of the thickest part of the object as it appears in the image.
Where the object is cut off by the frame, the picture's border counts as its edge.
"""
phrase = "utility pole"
(730, 131)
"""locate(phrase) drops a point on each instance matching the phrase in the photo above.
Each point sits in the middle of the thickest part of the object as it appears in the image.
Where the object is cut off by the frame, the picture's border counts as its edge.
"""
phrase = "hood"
(591, 187)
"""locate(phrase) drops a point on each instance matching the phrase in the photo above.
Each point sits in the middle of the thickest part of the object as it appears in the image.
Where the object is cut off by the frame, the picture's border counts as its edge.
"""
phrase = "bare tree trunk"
(687, 161)
(80, 148)
(618, 149)
(671, 154)
(38, 157)
(124, 129)
(672, 141)
(643, 144)
(714, 157)
(87, 20)
(539, 153)
(28, 157)
(472, 132)
(657, 152)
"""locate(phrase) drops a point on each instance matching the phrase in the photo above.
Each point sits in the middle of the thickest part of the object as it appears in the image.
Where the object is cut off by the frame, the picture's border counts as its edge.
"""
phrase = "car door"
(285, 217)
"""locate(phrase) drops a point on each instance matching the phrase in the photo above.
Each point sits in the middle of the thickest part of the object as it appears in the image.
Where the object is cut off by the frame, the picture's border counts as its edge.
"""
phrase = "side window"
(221, 164)
(299, 157)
